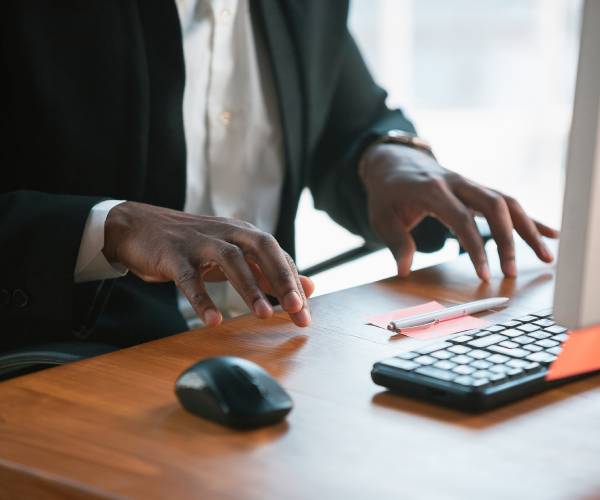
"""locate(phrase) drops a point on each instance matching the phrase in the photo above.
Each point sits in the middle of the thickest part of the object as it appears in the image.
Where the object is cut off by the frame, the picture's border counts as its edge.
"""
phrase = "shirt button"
(224, 14)
(225, 117)
(20, 298)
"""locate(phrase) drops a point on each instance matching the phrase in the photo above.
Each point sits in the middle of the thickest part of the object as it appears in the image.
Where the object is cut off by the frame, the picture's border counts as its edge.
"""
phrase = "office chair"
(38, 357)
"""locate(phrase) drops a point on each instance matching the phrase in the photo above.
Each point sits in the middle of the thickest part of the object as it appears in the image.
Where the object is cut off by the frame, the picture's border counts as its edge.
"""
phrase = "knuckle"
(497, 203)
(186, 276)
(199, 297)
(283, 275)
(265, 241)
(229, 252)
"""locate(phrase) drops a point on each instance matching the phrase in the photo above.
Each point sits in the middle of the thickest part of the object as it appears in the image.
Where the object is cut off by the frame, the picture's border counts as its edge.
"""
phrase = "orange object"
(580, 354)
(443, 328)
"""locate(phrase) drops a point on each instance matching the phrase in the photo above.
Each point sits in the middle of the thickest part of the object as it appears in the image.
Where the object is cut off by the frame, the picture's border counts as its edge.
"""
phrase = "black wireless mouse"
(232, 391)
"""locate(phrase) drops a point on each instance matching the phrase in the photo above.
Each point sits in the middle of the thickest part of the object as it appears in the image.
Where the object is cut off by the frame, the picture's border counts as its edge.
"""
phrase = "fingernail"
(302, 318)
(546, 253)
(211, 317)
(262, 308)
(292, 302)
(484, 271)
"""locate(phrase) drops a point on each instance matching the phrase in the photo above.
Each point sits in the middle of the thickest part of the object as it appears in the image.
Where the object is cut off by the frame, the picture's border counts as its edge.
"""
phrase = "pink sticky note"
(443, 328)
(580, 354)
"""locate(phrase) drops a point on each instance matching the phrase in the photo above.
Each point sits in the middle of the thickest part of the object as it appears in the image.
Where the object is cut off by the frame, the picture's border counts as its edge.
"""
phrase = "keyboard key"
(532, 366)
(459, 349)
(541, 357)
(478, 382)
(463, 370)
(479, 354)
(540, 335)
(554, 350)
(464, 380)
(436, 373)
(524, 339)
(461, 359)
(547, 343)
(443, 354)
(511, 324)
(495, 328)
(511, 332)
(527, 319)
(482, 333)
(481, 374)
(528, 327)
(546, 313)
(433, 347)
(532, 347)
(517, 363)
(445, 365)
(514, 353)
(555, 329)
(499, 369)
(509, 343)
(495, 377)
(402, 364)
(497, 358)
(407, 355)
(513, 372)
(425, 360)
(543, 322)
(561, 337)
(494, 338)
(481, 364)
(461, 339)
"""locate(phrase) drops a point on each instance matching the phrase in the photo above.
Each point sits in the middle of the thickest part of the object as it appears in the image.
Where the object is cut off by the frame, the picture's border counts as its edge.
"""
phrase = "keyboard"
(478, 369)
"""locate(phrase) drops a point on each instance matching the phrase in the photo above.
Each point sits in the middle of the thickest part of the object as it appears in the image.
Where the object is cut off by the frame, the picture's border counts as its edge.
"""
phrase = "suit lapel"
(270, 17)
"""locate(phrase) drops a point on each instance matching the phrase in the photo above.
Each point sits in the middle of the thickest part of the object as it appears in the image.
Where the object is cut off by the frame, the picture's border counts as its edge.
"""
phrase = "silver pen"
(429, 319)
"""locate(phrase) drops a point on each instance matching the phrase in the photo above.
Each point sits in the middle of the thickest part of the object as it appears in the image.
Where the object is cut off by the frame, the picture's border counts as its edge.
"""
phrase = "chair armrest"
(21, 361)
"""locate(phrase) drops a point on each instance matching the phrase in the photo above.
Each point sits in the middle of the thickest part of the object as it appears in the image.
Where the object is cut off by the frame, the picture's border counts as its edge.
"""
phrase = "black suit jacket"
(91, 108)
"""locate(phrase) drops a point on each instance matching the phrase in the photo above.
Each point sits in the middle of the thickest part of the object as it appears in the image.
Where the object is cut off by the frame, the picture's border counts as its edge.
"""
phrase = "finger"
(190, 283)
(302, 317)
(233, 264)
(308, 285)
(452, 212)
(546, 231)
(495, 209)
(398, 239)
(280, 271)
(528, 230)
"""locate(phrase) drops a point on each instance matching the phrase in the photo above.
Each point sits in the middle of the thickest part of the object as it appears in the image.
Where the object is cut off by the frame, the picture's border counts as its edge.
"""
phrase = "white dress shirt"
(232, 131)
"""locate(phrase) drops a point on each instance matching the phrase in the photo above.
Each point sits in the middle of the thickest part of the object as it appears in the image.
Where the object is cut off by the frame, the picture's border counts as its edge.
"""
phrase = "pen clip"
(392, 328)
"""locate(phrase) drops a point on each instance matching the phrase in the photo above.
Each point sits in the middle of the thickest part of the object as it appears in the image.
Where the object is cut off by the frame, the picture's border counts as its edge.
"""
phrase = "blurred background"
(489, 83)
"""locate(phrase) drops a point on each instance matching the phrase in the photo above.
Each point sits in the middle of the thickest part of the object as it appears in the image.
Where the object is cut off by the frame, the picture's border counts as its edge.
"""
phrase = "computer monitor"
(577, 293)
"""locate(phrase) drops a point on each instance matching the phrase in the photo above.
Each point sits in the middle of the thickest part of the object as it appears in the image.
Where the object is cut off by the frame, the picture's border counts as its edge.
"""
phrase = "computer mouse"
(232, 391)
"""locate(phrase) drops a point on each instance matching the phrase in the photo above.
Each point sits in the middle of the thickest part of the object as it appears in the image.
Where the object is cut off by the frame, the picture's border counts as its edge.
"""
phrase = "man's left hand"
(404, 185)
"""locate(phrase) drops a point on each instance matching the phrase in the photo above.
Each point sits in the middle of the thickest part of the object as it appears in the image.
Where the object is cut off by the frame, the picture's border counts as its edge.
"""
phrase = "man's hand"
(159, 244)
(404, 185)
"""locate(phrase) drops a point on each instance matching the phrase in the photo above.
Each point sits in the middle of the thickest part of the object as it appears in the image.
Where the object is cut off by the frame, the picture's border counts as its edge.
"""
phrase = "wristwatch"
(398, 137)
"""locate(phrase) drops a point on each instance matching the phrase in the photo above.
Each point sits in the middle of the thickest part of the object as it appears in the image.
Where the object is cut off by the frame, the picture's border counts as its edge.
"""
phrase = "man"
(99, 101)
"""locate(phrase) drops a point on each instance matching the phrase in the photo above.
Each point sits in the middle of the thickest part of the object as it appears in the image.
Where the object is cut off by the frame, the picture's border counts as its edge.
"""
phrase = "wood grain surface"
(112, 427)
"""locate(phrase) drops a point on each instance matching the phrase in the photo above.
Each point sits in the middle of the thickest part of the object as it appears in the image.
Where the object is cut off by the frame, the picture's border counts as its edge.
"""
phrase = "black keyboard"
(478, 369)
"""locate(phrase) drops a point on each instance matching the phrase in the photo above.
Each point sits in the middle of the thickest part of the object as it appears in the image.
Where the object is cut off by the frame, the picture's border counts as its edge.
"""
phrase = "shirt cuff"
(91, 264)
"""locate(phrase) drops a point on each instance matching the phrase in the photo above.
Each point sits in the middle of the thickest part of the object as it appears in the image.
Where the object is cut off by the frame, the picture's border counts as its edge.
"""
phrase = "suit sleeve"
(357, 116)
(40, 235)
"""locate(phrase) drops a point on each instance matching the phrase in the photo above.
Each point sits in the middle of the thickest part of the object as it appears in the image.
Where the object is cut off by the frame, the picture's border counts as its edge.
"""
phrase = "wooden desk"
(111, 426)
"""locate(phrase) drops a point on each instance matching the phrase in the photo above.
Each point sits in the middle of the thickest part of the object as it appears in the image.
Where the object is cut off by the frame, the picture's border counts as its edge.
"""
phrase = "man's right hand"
(159, 244)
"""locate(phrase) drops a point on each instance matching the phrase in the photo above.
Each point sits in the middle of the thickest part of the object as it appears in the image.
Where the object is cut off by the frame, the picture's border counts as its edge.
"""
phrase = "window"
(489, 83)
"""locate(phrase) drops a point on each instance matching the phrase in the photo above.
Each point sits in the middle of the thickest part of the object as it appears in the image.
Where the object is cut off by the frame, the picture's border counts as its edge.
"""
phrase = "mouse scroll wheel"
(249, 379)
